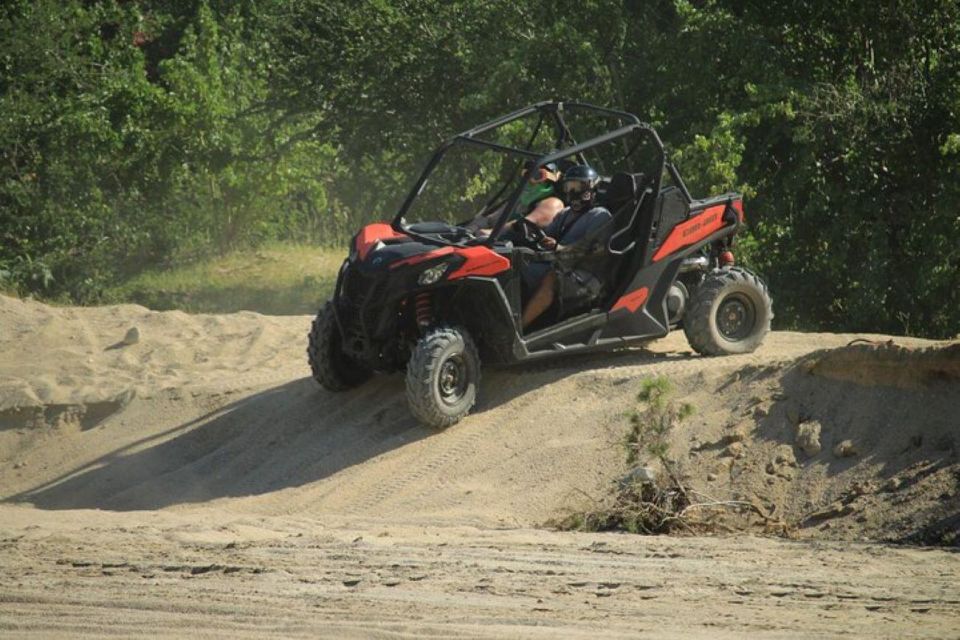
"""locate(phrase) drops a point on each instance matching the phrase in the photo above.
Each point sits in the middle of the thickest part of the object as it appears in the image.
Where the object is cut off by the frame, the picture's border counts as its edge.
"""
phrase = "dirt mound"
(205, 410)
(887, 364)
(856, 443)
(194, 476)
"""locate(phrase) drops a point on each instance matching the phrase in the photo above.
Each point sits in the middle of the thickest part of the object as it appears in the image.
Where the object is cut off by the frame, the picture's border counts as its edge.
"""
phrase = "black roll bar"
(555, 108)
(497, 146)
(578, 149)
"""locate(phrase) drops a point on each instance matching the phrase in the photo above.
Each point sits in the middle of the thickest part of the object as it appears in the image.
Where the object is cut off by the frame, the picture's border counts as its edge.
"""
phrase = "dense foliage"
(140, 133)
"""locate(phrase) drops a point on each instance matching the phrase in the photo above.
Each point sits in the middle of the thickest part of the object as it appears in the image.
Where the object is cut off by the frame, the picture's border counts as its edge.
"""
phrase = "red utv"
(434, 298)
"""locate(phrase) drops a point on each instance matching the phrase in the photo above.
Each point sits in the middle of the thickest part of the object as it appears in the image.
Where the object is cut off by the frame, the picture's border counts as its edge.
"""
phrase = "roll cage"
(565, 146)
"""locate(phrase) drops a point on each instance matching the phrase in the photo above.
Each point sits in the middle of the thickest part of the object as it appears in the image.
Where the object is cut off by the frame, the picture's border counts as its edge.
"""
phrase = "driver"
(572, 226)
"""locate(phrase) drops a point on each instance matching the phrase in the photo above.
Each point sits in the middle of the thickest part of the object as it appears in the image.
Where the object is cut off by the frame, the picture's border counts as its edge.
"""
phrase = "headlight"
(433, 274)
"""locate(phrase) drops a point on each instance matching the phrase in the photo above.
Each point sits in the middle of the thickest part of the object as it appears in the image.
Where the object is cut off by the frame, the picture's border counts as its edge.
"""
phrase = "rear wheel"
(442, 377)
(333, 369)
(729, 312)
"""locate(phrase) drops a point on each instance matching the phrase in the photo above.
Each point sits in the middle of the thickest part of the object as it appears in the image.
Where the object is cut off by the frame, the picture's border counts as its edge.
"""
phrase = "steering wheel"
(532, 233)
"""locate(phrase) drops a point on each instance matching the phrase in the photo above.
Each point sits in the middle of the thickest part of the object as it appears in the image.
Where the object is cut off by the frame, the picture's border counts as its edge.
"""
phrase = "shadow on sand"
(287, 436)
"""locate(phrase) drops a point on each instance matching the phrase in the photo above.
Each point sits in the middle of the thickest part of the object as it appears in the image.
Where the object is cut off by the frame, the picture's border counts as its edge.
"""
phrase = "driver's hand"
(548, 242)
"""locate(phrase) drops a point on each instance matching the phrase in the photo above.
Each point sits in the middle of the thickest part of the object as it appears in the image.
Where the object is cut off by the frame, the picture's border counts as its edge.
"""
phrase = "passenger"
(573, 225)
(539, 201)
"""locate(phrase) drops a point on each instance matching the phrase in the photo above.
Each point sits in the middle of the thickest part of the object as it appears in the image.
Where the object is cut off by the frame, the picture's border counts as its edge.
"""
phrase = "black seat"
(622, 189)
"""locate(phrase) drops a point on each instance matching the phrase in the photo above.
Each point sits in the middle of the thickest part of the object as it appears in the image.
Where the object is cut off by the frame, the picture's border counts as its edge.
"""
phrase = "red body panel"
(481, 261)
(632, 301)
(738, 205)
(371, 234)
(692, 231)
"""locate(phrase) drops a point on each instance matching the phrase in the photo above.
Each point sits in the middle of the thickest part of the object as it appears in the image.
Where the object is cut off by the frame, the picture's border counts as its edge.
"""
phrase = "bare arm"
(545, 211)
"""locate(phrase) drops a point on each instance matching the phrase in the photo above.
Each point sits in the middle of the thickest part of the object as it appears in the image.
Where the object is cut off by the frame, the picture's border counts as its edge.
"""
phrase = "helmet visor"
(577, 186)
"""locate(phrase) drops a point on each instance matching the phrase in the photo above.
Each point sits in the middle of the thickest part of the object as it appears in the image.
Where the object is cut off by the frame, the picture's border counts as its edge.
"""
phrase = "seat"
(623, 197)
(622, 188)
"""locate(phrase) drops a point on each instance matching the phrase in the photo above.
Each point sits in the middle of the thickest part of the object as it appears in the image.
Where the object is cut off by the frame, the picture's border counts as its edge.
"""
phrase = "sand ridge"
(202, 457)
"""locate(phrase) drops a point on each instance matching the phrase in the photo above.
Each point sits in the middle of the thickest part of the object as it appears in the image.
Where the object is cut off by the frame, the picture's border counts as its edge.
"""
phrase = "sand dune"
(202, 459)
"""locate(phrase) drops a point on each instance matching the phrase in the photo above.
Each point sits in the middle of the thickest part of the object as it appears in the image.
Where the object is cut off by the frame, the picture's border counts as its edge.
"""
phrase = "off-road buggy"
(437, 299)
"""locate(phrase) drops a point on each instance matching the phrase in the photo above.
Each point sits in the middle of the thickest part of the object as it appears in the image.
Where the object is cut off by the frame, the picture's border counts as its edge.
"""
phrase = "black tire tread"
(423, 362)
(697, 319)
(322, 332)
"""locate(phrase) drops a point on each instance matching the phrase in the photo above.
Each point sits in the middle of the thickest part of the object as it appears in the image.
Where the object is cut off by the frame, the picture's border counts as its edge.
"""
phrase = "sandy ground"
(198, 482)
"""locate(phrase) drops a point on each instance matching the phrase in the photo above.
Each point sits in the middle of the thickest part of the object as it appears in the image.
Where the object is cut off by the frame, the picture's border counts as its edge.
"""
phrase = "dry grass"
(667, 504)
(278, 279)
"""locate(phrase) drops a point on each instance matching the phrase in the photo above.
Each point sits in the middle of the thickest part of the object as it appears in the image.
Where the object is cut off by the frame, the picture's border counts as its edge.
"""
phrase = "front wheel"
(729, 312)
(442, 377)
(333, 369)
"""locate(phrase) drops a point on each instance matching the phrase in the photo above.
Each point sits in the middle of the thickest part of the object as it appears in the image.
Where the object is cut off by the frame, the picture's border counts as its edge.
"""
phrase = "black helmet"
(580, 185)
